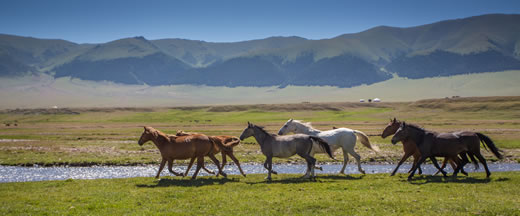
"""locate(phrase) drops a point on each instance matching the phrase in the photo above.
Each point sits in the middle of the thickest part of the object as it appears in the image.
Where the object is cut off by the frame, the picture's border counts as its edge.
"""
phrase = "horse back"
(184, 147)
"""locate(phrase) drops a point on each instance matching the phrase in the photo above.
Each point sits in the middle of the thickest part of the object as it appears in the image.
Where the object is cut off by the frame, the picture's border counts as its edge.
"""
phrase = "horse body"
(343, 138)
(180, 148)
(273, 145)
(224, 144)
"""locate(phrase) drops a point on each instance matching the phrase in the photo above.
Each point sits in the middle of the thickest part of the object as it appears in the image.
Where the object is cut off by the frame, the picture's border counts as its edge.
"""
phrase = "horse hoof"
(274, 172)
(362, 172)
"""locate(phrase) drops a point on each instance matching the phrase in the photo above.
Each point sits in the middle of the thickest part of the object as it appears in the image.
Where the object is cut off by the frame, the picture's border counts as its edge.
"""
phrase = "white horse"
(343, 138)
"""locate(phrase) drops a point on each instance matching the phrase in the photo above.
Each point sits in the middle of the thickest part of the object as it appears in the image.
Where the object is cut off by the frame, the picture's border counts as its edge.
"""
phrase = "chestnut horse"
(225, 145)
(410, 149)
(180, 147)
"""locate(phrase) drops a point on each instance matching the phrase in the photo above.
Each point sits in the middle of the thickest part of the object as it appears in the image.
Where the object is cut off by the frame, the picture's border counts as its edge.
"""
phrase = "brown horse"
(410, 149)
(432, 144)
(180, 147)
(224, 145)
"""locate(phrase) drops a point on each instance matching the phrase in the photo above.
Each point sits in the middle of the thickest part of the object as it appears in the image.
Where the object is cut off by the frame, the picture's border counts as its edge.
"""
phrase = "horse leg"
(269, 166)
(345, 161)
(224, 160)
(311, 162)
(316, 166)
(403, 159)
(265, 166)
(236, 162)
(434, 161)
(214, 159)
(358, 160)
(200, 163)
(189, 166)
(421, 160)
(444, 163)
(163, 162)
(207, 170)
(465, 161)
(170, 166)
(416, 157)
(483, 161)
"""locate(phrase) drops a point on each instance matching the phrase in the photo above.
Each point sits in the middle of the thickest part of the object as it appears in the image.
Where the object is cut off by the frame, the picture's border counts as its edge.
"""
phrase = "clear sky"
(95, 21)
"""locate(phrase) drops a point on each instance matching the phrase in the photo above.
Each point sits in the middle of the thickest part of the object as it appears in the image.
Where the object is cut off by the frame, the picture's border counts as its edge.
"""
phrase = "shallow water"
(23, 174)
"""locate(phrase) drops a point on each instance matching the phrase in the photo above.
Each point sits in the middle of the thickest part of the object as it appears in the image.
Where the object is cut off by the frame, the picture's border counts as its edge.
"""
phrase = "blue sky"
(96, 21)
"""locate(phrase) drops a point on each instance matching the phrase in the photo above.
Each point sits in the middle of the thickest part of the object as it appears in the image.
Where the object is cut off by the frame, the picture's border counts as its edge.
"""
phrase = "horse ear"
(404, 124)
(290, 120)
(395, 119)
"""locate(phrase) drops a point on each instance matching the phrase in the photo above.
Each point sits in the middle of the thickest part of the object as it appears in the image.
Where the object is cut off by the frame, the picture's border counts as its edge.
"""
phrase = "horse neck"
(260, 135)
(160, 140)
(306, 129)
(417, 135)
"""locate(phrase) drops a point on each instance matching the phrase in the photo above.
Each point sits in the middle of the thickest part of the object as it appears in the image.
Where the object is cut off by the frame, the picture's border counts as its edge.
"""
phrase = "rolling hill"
(471, 45)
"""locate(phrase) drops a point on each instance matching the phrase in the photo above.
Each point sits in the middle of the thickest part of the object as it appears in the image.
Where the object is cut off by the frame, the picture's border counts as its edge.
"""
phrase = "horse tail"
(364, 140)
(217, 143)
(323, 144)
(230, 144)
(486, 140)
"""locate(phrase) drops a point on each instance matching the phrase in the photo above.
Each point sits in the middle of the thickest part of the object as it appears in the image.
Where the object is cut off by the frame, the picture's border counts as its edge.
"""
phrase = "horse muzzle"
(394, 141)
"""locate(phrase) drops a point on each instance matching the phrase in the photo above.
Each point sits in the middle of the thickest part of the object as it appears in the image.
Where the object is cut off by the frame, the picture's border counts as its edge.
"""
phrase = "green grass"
(376, 194)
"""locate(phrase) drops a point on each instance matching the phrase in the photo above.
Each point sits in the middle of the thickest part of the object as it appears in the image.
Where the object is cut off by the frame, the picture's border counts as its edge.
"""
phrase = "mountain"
(461, 46)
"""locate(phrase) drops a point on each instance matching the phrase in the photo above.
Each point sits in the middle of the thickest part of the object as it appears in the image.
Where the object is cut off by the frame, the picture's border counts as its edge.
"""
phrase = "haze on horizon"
(226, 21)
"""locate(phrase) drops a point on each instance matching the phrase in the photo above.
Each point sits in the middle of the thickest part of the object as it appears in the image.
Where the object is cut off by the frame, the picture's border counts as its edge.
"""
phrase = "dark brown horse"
(180, 147)
(224, 145)
(410, 149)
(432, 144)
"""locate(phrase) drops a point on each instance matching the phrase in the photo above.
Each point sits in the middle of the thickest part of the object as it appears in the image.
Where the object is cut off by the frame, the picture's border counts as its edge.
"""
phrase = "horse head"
(248, 131)
(391, 128)
(148, 134)
(401, 133)
(289, 126)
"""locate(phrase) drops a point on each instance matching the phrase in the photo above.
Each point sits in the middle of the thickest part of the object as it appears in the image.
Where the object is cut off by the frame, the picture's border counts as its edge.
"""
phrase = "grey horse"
(273, 145)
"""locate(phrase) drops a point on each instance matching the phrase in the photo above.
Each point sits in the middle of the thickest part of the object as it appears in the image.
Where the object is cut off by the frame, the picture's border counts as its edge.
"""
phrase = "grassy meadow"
(375, 194)
(108, 136)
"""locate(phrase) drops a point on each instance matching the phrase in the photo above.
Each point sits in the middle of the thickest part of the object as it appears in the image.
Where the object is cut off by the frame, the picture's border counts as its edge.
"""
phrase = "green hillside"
(462, 46)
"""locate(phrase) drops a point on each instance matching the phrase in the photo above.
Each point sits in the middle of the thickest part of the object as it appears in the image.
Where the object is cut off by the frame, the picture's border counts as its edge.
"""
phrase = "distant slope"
(45, 91)
(470, 45)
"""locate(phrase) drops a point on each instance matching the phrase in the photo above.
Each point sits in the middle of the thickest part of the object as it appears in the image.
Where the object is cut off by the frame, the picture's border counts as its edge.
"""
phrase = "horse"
(180, 147)
(343, 138)
(432, 144)
(225, 145)
(410, 149)
(273, 145)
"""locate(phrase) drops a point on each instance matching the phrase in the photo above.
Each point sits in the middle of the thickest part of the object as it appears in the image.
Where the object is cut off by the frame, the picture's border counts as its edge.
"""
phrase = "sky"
(99, 21)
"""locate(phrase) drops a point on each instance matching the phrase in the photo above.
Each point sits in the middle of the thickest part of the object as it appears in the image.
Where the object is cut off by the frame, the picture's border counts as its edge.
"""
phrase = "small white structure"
(361, 100)
(55, 107)
(376, 100)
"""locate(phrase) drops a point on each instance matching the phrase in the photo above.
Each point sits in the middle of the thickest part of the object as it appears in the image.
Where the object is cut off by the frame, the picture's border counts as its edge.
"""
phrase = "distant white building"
(361, 100)
(376, 100)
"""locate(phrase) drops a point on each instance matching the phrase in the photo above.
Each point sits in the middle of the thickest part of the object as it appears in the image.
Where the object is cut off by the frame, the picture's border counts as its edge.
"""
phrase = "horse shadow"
(187, 182)
(299, 180)
(427, 179)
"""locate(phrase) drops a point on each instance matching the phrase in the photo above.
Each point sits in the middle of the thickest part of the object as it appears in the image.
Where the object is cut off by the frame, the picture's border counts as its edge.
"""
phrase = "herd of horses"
(457, 148)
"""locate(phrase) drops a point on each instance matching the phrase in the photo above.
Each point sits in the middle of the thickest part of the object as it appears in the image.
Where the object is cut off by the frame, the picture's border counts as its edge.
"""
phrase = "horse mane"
(263, 130)
(415, 126)
(306, 124)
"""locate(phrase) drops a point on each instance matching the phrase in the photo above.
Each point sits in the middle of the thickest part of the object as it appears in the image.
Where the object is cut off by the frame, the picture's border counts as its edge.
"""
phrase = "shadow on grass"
(298, 180)
(187, 182)
(425, 179)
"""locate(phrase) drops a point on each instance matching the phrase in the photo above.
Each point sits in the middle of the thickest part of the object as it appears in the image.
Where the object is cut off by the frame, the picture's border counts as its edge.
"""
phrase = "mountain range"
(477, 44)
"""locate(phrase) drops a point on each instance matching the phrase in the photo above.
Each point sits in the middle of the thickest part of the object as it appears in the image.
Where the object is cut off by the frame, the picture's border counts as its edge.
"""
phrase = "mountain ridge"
(467, 45)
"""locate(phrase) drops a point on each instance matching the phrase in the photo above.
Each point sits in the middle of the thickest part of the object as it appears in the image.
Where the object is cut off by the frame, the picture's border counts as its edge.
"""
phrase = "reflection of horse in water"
(432, 144)
(273, 145)
(180, 147)
(343, 138)
(224, 145)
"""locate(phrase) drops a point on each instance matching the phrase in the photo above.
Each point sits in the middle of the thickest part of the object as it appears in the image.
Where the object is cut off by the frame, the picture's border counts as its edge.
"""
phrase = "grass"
(109, 136)
(375, 194)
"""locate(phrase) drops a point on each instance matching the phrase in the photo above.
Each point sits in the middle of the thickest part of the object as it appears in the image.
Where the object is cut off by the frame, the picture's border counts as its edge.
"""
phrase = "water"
(23, 174)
